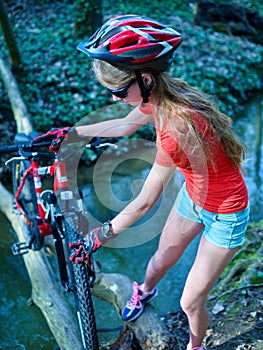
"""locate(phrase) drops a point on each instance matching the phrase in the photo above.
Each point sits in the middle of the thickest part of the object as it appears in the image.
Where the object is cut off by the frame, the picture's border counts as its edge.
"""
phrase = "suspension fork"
(58, 236)
(60, 191)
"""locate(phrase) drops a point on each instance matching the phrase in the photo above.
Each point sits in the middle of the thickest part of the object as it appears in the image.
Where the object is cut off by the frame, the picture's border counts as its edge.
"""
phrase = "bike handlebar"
(8, 149)
(27, 147)
(31, 146)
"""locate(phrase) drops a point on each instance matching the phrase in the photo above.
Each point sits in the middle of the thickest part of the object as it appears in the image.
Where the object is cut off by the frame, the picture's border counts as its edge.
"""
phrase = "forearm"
(132, 213)
(153, 188)
(115, 127)
(109, 128)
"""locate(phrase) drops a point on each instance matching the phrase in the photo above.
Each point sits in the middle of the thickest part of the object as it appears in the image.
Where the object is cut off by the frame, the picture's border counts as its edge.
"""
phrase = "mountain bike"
(54, 209)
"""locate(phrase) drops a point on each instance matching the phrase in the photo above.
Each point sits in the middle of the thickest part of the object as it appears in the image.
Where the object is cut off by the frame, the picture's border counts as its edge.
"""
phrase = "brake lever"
(23, 155)
(14, 158)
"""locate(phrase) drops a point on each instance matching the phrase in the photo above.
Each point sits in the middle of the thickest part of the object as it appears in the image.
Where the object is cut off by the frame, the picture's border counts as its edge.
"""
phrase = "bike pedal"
(20, 248)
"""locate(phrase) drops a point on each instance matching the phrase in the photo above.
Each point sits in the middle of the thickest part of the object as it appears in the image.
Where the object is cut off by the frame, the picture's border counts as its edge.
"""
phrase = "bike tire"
(28, 201)
(83, 297)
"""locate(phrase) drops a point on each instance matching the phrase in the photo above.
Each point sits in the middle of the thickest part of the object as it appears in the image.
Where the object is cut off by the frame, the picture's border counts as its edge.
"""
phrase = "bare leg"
(209, 264)
(177, 233)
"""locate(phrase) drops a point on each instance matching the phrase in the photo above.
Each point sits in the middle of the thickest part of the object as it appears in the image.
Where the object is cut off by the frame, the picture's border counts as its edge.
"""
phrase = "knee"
(186, 304)
(159, 264)
(191, 302)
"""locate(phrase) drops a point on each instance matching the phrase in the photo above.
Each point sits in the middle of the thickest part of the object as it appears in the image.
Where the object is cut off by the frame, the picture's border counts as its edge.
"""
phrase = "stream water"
(25, 328)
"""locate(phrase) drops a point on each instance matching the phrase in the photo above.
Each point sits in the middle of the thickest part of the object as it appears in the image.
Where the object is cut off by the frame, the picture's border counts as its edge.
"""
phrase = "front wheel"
(83, 297)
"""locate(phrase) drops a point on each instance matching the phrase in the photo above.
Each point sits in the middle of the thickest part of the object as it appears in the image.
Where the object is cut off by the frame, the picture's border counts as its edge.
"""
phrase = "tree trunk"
(9, 36)
(19, 108)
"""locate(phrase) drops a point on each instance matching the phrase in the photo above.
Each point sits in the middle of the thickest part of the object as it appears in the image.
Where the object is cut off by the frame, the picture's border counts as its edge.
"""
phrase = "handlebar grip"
(24, 147)
(8, 149)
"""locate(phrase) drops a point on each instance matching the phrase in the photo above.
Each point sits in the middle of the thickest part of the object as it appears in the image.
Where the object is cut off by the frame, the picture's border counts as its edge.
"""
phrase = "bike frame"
(56, 170)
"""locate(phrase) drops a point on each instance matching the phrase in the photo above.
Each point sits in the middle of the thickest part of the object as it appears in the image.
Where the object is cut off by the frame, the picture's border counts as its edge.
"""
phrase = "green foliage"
(59, 88)
(257, 224)
(220, 65)
(257, 277)
(248, 260)
(158, 9)
(88, 16)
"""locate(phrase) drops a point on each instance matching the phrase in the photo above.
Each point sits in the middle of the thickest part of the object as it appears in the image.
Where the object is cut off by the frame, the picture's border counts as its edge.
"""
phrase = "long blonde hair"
(180, 99)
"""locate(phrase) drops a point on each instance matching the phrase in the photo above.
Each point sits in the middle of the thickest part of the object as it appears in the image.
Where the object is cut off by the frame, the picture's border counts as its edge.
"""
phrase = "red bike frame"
(58, 170)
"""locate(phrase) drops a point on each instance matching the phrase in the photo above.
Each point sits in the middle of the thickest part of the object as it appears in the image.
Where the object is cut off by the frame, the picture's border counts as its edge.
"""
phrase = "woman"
(130, 56)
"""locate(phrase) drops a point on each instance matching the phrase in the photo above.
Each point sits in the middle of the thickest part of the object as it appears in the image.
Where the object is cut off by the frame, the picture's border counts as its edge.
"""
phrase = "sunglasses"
(122, 92)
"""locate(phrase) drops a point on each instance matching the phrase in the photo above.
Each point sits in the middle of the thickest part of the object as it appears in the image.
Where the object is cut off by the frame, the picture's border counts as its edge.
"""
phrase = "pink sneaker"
(196, 348)
(135, 305)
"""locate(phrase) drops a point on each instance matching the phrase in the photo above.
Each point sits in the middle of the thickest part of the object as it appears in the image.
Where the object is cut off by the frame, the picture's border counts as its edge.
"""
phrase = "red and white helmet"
(133, 42)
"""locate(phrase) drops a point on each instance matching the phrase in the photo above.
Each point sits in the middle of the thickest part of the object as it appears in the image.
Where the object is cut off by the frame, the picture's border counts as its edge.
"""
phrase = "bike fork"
(58, 236)
(61, 254)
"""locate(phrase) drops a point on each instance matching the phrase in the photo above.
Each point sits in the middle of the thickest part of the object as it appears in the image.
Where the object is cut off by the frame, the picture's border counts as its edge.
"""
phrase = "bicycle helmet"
(133, 42)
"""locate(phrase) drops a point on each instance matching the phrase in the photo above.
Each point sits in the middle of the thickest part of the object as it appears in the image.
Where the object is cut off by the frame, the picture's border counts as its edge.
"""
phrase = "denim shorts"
(222, 230)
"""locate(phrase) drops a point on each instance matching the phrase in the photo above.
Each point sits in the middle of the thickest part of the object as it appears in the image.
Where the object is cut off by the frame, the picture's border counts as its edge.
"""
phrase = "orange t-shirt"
(217, 187)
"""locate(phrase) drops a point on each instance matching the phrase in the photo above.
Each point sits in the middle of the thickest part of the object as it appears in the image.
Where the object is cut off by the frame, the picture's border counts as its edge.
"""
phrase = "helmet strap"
(145, 90)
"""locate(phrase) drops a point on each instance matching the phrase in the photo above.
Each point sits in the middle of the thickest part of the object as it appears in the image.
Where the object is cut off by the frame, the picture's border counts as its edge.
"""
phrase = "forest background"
(55, 79)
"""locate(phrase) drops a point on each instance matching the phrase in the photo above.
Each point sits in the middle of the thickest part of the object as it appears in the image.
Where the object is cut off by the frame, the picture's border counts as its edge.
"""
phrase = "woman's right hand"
(56, 136)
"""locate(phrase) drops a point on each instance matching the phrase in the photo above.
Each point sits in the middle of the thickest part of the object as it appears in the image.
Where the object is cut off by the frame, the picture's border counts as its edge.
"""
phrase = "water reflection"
(250, 130)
